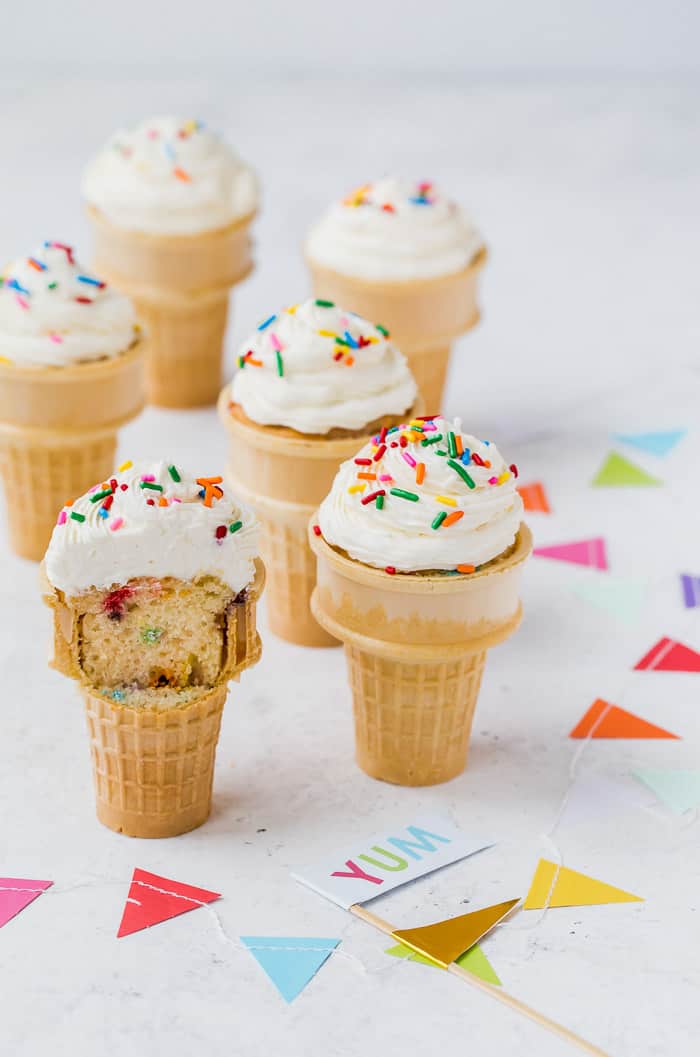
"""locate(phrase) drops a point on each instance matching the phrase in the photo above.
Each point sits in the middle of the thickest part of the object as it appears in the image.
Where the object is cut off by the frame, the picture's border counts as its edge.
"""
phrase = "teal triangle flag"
(620, 597)
(290, 961)
(678, 790)
(654, 443)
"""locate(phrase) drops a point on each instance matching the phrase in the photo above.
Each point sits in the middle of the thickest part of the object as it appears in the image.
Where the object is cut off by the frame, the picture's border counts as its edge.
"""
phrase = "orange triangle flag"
(444, 941)
(603, 720)
(534, 498)
(571, 889)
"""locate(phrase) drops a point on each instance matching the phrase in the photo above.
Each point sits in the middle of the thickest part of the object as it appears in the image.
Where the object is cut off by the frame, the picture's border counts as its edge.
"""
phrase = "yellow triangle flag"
(444, 941)
(572, 889)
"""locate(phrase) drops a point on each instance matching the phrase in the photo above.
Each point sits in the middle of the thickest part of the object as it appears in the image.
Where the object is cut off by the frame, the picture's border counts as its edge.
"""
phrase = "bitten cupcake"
(405, 254)
(171, 207)
(153, 577)
(313, 382)
(418, 575)
(71, 373)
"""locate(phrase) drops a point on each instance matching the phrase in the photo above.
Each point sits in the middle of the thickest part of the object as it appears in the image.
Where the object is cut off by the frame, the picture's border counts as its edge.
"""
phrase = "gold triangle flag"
(444, 941)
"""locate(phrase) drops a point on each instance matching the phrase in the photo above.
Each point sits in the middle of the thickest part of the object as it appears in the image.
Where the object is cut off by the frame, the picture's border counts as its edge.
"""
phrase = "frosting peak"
(54, 312)
(170, 176)
(152, 520)
(424, 496)
(315, 367)
(394, 229)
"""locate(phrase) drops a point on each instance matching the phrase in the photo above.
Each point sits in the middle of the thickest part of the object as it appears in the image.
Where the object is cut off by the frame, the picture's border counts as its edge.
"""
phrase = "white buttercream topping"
(152, 520)
(54, 312)
(394, 229)
(316, 367)
(456, 511)
(170, 176)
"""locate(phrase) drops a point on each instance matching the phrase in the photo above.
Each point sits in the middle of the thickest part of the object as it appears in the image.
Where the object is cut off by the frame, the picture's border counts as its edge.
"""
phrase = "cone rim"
(417, 583)
(285, 441)
(404, 285)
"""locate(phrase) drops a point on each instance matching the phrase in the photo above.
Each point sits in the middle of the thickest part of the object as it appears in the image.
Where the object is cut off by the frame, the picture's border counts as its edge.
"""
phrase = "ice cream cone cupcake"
(71, 373)
(419, 580)
(153, 578)
(171, 206)
(405, 255)
(313, 382)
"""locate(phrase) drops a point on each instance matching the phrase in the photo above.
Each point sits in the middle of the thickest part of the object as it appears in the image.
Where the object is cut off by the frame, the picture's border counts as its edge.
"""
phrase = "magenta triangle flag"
(669, 656)
(581, 552)
(153, 899)
(16, 893)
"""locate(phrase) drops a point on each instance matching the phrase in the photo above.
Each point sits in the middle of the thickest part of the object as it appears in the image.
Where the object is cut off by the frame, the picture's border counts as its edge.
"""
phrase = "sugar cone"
(180, 285)
(423, 316)
(284, 475)
(416, 647)
(58, 435)
(153, 768)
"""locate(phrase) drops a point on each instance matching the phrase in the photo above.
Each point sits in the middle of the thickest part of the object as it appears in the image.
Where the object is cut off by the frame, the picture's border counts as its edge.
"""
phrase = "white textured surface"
(587, 194)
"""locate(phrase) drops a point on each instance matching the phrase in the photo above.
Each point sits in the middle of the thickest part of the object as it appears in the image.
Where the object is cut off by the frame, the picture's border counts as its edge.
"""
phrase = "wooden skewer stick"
(495, 992)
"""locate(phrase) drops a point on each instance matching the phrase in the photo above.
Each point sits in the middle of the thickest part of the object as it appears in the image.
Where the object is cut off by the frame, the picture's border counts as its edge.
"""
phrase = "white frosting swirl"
(449, 526)
(54, 313)
(170, 176)
(315, 367)
(394, 229)
(102, 540)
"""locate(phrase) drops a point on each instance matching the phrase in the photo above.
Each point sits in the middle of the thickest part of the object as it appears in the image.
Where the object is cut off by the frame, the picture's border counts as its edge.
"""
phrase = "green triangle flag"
(474, 961)
(617, 471)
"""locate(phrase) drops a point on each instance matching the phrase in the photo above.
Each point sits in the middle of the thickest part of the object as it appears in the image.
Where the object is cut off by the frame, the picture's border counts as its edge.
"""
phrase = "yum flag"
(362, 870)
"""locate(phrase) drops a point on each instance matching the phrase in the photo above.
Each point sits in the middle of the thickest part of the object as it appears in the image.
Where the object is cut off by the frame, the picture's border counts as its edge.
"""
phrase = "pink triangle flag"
(153, 899)
(581, 552)
(16, 893)
(669, 656)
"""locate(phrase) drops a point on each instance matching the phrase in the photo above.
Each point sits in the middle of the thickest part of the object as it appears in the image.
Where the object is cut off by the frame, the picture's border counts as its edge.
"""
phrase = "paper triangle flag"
(691, 590)
(654, 443)
(678, 790)
(617, 471)
(290, 961)
(444, 941)
(669, 656)
(603, 720)
(153, 899)
(474, 961)
(534, 498)
(621, 598)
(571, 889)
(16, 893)
(582, 552)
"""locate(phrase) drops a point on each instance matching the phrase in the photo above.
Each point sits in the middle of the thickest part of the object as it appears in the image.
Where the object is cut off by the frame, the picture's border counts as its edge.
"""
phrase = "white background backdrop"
(571, 133)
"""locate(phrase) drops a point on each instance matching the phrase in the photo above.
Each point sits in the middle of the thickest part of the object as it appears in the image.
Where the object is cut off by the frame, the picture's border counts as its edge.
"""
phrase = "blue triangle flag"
(290, 961)
(654, 443)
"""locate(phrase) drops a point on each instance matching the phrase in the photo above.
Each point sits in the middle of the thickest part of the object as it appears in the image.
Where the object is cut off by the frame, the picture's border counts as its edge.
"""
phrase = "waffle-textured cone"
(423, 316)
(40, 478)
(58, 435)
(153, 770)
(413, 721)
(186, 335)
(416, 647)
(180, 285)
(284, 475)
